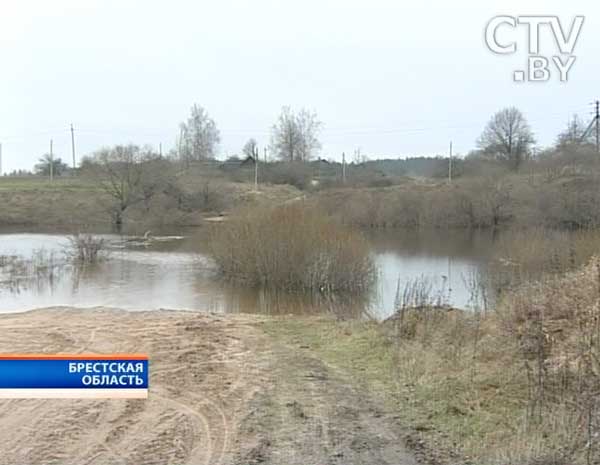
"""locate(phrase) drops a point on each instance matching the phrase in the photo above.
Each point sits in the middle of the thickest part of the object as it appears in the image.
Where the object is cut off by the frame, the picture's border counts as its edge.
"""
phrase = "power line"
(327, 131)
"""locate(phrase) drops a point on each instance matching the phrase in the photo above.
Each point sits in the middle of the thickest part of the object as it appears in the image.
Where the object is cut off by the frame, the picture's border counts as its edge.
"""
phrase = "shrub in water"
(293, 247)
(86, 248)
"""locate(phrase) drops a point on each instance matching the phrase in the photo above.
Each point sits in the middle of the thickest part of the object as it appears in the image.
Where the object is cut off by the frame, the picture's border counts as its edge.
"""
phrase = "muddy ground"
(221, 392)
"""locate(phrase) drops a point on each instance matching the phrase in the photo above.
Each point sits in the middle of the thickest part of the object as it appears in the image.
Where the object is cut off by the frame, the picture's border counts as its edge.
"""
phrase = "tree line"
(507, 137)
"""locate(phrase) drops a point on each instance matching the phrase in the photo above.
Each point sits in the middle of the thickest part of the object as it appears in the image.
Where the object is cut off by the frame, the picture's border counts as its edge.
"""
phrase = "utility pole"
(51, 163)
(256, 169)
(343, 167)
(450, 165)
(187, 159)
(73, 145)
(598, 126)
(594, 123)
(179, 145)
(265, 154)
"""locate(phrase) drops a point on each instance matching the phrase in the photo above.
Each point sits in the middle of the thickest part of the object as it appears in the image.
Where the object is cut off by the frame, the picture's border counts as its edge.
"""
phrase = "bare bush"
(293, 247)
(86, 248)
(418, 304)
(295, 174)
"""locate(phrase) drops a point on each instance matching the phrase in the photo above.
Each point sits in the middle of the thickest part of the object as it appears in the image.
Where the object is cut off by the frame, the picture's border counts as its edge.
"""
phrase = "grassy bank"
(36, 201)
(513, 386)
(38, 183)
(433, 389)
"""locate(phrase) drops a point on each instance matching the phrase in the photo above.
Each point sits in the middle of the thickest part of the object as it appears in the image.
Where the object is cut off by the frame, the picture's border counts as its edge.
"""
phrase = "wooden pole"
(51, 163)
(450, 165)
(73, 145)
(256, 169)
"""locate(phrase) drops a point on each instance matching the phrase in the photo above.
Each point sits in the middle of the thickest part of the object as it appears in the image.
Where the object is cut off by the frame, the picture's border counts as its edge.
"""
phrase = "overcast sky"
(393, 78)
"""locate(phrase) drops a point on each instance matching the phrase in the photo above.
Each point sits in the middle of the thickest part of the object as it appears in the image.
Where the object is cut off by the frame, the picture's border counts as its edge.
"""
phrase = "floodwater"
(174, 272)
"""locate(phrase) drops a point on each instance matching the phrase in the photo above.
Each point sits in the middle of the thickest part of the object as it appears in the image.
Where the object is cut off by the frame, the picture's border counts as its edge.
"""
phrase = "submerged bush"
(86, 248)
(293, 247)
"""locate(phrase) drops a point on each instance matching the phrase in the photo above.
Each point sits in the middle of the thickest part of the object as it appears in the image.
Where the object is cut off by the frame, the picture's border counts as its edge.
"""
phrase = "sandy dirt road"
(221, 392)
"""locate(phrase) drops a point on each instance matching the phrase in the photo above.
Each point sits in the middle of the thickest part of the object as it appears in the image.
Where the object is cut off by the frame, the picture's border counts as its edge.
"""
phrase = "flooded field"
(173, 271)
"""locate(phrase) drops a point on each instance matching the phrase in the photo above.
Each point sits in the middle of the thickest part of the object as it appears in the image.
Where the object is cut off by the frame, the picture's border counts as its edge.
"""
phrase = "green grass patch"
(35, 183)
(468, 399)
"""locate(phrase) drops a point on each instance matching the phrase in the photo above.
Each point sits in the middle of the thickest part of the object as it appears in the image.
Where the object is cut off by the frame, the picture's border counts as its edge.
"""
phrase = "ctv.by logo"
(539, 68)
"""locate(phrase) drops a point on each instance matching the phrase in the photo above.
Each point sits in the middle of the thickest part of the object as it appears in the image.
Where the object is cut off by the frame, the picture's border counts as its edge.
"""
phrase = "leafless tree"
(295, 135)
(573, 134)
(128, 174)
(250, 148)
(199, 136)
(507, 137)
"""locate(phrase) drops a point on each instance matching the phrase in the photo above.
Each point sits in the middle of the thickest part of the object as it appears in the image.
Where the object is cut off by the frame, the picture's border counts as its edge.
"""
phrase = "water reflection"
(176, 273)
(451, 262)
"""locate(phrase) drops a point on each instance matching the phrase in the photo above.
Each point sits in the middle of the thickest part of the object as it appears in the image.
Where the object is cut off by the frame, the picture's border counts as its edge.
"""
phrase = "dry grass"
(292, 248)
(556, 323)
(547, 250)
(524, 255)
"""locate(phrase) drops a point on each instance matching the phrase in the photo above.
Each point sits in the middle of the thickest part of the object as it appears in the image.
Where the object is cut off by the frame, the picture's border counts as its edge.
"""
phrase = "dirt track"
(221, 392)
